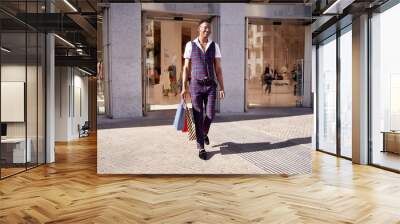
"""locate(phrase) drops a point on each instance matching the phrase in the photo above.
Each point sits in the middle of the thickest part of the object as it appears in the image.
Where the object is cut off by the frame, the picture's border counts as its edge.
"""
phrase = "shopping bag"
(185, 127)
(190, 123)
(179, 117)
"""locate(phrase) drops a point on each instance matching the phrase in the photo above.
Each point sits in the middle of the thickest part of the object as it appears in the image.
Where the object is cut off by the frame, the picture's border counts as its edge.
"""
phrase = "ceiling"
(73, 20)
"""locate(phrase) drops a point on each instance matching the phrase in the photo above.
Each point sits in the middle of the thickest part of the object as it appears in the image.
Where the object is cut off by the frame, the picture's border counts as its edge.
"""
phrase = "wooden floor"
(69, 191)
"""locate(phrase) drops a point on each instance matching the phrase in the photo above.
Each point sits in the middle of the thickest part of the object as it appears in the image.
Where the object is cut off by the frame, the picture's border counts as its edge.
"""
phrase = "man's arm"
(185, 76)
(218, 71)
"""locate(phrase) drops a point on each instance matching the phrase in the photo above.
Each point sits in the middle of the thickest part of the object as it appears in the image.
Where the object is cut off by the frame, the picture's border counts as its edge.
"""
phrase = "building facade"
(143, 63)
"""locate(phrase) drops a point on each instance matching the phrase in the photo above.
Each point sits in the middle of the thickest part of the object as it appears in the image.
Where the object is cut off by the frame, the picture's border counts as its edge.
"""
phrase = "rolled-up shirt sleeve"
(217, 51)
(188, 50)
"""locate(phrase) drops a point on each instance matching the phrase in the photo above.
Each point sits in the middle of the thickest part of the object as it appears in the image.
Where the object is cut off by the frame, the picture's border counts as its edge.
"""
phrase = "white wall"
(12, 73)
(80, 83)
(70, 83)
(62, 81)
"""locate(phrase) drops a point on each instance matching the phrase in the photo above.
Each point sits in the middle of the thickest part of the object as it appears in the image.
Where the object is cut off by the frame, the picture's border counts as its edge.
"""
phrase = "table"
(391, 141)
(19, 155)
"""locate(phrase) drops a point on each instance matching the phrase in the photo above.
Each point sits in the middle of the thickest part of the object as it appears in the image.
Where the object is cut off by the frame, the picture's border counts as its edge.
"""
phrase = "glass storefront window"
(327, 95)
(385, 89)
(346, 92)
(274, 65)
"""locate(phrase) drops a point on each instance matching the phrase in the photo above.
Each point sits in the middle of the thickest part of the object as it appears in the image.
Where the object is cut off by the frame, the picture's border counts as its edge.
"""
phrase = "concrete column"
(314, 93)
(125, 49)
(360, 90)
(233, 55)
(307, 99)
(50, 98)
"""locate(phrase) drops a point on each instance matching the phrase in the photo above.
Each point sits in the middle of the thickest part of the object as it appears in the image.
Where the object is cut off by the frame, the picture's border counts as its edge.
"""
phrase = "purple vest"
(202, 63)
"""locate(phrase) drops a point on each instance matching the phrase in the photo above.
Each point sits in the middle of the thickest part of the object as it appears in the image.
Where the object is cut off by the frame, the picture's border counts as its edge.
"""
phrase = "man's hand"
(184, 94)
(221, 94)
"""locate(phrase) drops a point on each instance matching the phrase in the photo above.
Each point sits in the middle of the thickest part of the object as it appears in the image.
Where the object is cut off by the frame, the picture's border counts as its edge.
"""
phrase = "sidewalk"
(262, 141)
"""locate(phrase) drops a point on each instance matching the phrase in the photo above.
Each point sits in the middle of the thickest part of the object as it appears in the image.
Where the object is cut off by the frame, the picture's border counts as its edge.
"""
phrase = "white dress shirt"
(188, 48)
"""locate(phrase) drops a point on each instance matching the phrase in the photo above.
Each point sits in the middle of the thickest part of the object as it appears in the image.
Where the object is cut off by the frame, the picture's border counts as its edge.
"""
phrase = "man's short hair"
(204, 21)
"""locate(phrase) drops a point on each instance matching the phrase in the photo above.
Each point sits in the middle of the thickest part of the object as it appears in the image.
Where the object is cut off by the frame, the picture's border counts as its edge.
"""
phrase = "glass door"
(326, 62)
(385, 89)
(346, 72)
(164, 41)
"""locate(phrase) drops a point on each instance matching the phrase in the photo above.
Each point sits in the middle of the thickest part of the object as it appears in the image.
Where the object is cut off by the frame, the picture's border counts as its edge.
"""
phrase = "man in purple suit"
(203, 63)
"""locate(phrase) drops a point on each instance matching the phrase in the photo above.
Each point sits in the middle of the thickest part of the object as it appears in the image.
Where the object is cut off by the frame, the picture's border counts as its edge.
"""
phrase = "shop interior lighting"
(65, 41)
(70, 5)
(84, 71)
(5, 50)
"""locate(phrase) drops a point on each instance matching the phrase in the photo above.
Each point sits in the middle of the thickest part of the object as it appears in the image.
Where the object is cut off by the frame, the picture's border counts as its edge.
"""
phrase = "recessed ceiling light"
(86, 72)
(64, 40)
(70, 5)
(5, 50)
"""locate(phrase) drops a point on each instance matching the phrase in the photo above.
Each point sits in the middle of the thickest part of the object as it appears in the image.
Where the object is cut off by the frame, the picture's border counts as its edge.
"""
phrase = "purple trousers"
(203, 100)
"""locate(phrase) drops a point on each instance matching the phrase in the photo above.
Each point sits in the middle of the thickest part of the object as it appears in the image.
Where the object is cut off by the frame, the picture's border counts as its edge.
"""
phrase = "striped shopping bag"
(190, 123)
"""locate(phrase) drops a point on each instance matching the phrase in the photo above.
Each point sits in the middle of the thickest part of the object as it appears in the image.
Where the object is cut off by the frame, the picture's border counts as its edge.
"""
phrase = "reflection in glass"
(327, 96)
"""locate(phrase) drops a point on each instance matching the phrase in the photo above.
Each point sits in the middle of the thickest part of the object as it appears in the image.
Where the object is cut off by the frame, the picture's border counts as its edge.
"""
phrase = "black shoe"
(203, 154)
(206, 140)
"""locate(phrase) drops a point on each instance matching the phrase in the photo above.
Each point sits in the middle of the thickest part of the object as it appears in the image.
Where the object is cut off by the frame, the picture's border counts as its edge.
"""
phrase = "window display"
(275, 65)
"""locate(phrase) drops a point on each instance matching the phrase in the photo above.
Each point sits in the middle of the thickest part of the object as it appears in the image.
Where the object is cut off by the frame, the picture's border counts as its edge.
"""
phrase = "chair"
(84, 130)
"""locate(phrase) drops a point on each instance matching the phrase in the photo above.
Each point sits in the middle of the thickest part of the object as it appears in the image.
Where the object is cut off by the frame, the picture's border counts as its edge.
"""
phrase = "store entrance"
(165, 38)
(274, 66)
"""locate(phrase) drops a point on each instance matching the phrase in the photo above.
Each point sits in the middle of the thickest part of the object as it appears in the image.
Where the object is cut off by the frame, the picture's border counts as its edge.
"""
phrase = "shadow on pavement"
(236, 148)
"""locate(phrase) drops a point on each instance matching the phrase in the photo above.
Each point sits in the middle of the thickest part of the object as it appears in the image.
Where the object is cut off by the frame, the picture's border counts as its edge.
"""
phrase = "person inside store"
(268, 80)
(203, 64)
